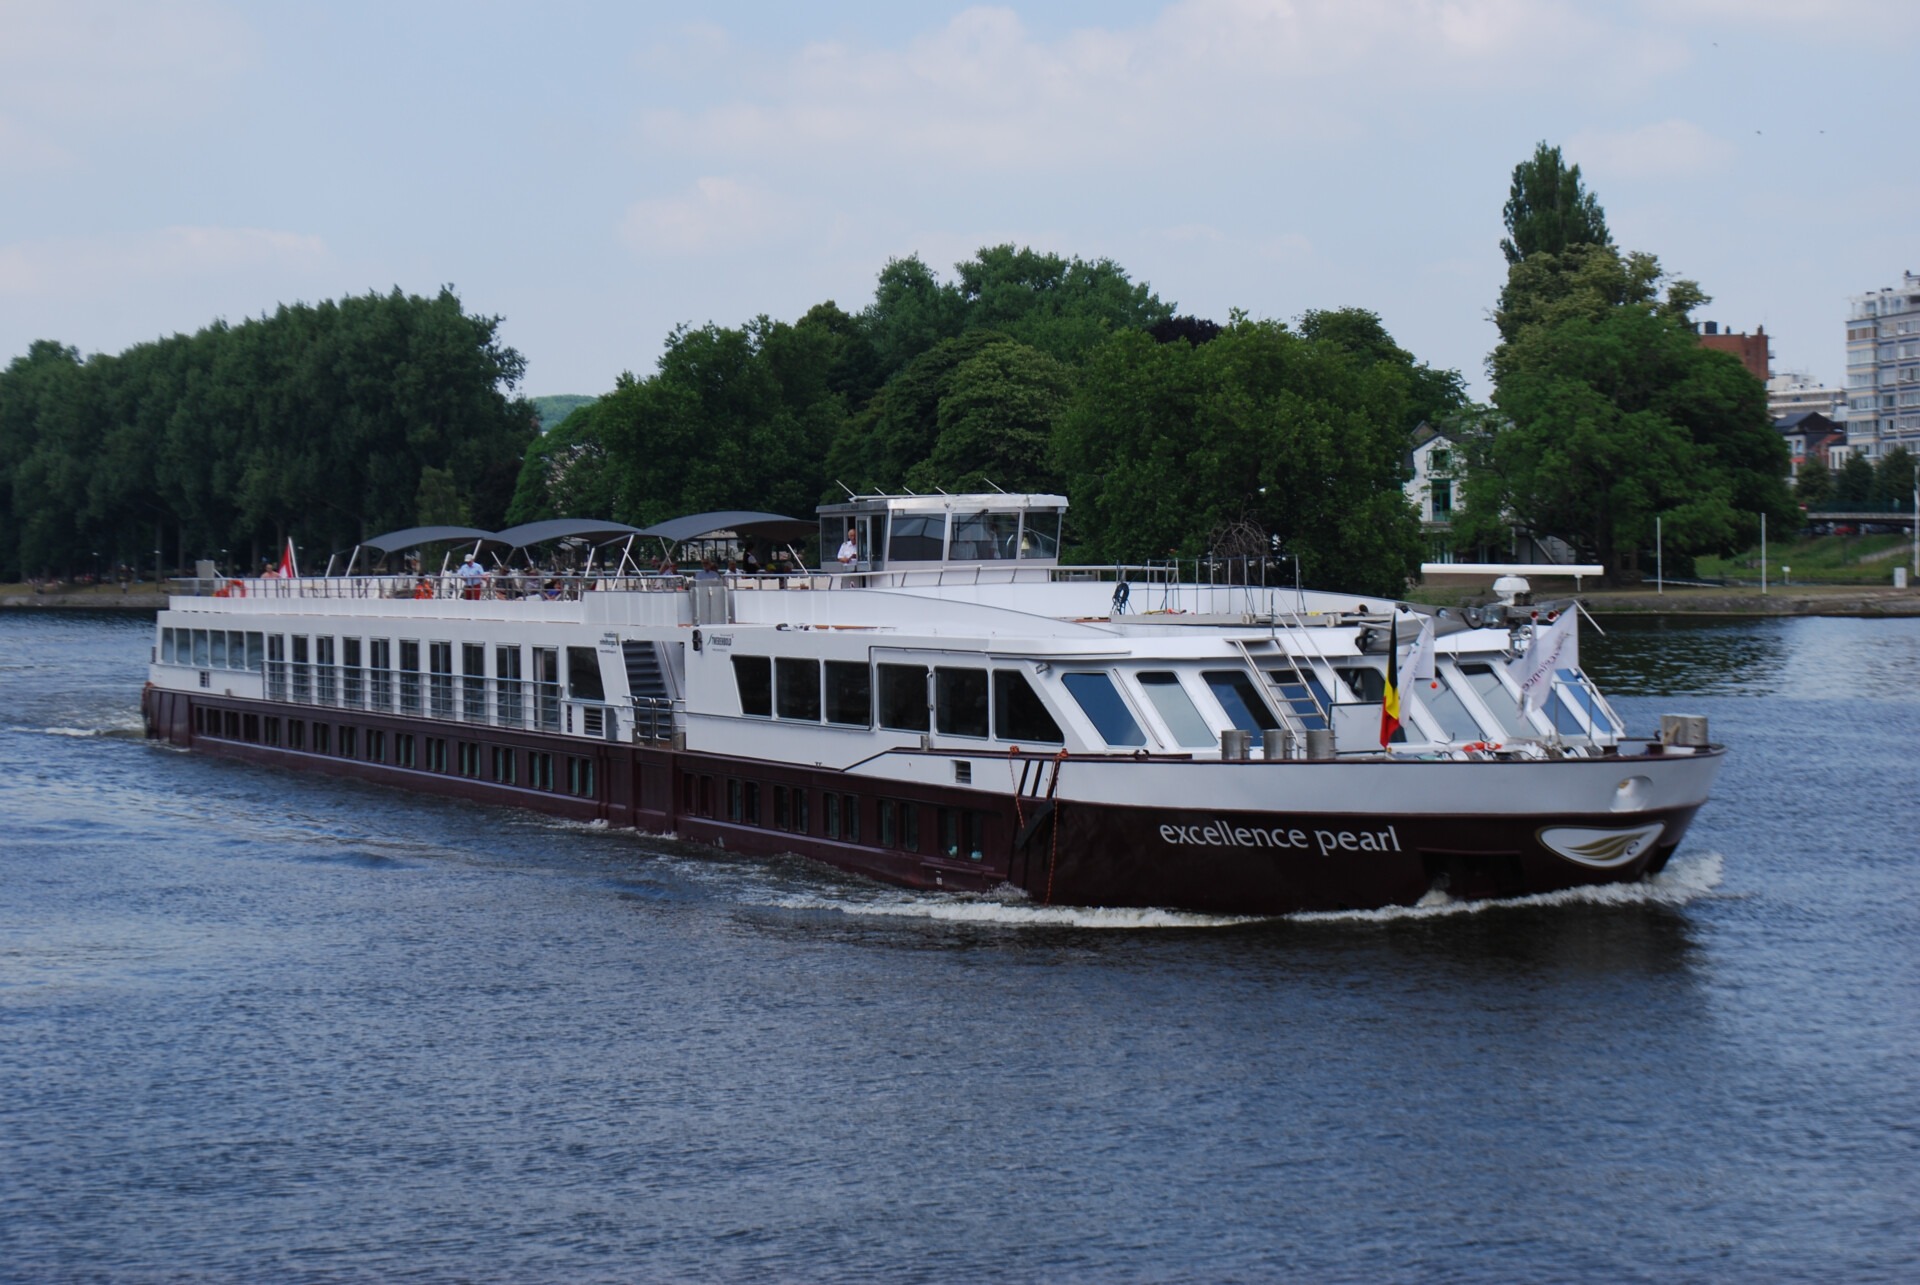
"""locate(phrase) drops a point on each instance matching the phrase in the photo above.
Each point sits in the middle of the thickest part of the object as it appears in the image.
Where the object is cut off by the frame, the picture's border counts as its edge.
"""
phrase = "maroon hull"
(922, 836)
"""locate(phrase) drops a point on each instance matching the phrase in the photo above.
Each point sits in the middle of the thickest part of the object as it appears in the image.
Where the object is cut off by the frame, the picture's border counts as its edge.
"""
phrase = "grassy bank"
(1827, 559)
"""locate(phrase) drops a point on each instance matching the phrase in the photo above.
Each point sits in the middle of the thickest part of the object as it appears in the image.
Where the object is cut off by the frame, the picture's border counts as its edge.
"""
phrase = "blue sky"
(597, 173)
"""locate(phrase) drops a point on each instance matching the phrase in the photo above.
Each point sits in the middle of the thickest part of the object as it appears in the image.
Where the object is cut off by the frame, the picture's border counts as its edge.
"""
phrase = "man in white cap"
(471, 574)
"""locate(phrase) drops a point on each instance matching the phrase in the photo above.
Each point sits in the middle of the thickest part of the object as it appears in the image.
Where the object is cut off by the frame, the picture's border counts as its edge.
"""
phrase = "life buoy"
(236, 588)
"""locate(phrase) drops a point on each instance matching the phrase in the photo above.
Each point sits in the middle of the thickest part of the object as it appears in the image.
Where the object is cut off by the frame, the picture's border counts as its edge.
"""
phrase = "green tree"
(1548, 210)
(1167, 442)
(1431, 394)
(996, 416)
(1612, 414)
(1813, 489)
(1853, 487)
(1893, 479)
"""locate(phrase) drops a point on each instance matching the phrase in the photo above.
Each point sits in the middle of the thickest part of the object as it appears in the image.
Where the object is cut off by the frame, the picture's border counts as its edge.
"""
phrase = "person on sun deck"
(850, 549)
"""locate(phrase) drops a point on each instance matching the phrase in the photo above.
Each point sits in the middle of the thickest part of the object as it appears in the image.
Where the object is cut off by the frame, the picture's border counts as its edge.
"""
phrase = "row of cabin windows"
(956, 700)
(503, 764)
(957, 832)
(1002, 704)
(236, 649)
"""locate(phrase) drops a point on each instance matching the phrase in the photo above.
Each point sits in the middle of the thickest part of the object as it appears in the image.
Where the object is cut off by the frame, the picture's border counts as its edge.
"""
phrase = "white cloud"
(63, 265)
(66, 63)
(983, 93)
(1669, 149)
(715, 215)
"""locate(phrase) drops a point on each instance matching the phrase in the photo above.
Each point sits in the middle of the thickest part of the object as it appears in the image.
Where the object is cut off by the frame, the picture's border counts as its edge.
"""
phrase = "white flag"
(1420, 654)
(1555, 646)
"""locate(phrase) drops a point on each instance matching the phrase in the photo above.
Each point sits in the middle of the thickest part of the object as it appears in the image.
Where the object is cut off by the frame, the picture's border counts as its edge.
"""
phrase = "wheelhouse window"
(917, 537)
(1176, 709)
(960, 701)
(850, 693)
(799, 688)
(1445, 705)
(1243, 706)
(985, 536)
(1097, 697)
(1018, 712)
(753, 675)
(903, 698)
(1040, 534)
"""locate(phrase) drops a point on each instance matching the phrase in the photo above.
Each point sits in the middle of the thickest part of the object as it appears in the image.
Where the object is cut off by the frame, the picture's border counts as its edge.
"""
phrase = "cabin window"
(583, 675)
(917, 537)
(1176, 709)
(984, 537)
(1018, 712)
(962, 832)
(782, 813)
(347, 735)
(1500, 702)
(886, 816)
(799, 825)
(440, 680)
(271, 730)
(403, 749)
(1040, 534)
(580, 777)
(903, 698)
(1094, 692)
(960, 701)
(830, 815)
(296, 734)
(376, 744)
(219, 657)
(503, 765)
(409, 676)
(1243, 706)
(799, 689)
(850, 693)
(473, 682)
(540, 771)
(754, 676)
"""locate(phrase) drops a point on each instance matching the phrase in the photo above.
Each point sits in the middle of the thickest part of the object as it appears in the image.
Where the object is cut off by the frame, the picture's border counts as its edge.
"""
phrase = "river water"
(262, 1026)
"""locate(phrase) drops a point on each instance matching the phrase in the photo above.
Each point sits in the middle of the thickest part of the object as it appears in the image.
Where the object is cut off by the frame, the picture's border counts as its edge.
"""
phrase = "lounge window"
(1176, 709)
(799, 689)
(1243, 706)
(754, 676)
(1094, 692)
(903, 698)
(960, 701)
(1500, 702)
(1018, 712)
(1304, 694)
(850, 694)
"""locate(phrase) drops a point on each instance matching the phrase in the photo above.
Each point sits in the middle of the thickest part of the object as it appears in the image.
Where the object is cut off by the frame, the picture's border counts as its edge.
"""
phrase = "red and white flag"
(288, 568)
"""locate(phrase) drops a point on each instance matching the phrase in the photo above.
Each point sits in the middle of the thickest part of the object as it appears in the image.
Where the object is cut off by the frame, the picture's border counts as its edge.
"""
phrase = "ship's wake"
(1687, 879)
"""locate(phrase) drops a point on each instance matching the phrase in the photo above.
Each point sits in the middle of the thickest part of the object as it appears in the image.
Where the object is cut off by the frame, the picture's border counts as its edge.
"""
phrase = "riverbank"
(1748, 600)
(101, 597)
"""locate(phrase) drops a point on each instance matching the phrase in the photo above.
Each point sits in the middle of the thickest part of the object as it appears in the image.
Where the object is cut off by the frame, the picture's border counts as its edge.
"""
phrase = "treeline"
(328, 422)
(1026, 371)
(1858, 483)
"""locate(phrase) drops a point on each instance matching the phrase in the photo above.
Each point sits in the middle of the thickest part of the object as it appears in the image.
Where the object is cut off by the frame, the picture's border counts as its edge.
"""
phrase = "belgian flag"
(1390, 700)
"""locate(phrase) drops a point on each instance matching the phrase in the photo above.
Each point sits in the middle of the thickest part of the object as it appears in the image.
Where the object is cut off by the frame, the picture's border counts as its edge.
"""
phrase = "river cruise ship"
(950, 707)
